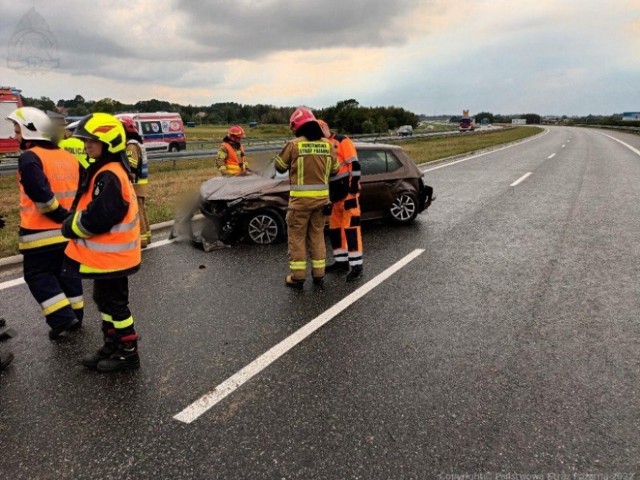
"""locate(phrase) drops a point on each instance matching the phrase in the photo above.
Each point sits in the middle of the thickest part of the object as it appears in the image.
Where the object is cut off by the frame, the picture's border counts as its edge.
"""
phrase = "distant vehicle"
(405, 131)
(9, 100)
(253, 207)
(466, 124)
(161, 131)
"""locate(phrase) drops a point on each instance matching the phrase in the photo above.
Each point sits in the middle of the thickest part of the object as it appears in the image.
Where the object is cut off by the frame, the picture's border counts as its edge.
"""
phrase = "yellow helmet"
(104, 128)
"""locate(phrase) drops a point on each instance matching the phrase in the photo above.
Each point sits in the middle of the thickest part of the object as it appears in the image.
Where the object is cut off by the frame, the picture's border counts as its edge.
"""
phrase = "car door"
(381, 170)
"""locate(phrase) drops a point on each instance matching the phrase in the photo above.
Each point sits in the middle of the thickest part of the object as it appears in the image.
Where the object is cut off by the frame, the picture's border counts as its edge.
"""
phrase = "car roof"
(373, 146)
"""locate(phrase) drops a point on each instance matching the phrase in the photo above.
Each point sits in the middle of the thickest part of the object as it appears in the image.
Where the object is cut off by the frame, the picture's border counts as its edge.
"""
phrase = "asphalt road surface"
(503, 343)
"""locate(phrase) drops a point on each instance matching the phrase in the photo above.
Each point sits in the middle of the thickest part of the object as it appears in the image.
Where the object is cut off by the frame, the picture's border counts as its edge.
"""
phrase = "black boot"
(294, 283)
(337, 267)
(109, 348)
(55, 332)
(355, 273)
(124, 358)
(318, 282)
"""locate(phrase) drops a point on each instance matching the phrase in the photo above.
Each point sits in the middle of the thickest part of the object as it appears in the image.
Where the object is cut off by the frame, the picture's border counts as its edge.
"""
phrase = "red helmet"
(301, 116)
(235, 131)
(129, 125)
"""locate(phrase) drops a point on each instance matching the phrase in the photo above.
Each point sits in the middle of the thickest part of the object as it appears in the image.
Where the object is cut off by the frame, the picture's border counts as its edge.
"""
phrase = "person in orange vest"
(48, 179)
(104, 233)
(310, 159)
(344, 192)
(230, 159)
(139, 165)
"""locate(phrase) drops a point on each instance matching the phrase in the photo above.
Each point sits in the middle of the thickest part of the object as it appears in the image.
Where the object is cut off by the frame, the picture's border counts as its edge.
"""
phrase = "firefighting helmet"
(235, 132)
(34, 124)
(301, 116)
(324, 126)
(129, 125)
(104, 128)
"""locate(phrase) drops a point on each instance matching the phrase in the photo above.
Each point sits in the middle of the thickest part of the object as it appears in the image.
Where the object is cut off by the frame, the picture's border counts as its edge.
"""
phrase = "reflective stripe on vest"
(301, 188)
(116, 250)
(40, 239)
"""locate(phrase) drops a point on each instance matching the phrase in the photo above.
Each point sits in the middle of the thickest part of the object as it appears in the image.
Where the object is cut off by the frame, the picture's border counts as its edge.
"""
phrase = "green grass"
(171, 187)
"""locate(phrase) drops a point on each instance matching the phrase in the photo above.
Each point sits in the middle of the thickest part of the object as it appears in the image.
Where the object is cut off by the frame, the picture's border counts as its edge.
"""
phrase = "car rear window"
(378, 161)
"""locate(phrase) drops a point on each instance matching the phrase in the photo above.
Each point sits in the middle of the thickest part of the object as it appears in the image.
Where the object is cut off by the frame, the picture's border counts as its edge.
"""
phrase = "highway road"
(497, 336)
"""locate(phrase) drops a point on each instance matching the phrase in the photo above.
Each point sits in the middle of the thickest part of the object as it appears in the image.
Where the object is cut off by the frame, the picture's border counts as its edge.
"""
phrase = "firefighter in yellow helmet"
(310, 159)
(344, 224)
(231, 159)
(104, 230)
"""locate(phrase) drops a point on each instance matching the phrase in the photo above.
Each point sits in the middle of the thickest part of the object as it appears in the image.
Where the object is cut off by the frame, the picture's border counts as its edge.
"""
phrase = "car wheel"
(265, 227)
(173, 148)
(404, 208)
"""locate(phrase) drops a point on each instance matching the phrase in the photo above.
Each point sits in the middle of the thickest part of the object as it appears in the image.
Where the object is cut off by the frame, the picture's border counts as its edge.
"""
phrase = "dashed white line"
(563, 146)
(204, 403)
(521, 179)
(551, 156)
(11, 283)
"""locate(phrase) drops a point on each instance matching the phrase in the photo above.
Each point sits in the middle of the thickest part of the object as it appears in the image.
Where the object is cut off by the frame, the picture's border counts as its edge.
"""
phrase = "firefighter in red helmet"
(310, 159)
(139, 166)
(230, 159)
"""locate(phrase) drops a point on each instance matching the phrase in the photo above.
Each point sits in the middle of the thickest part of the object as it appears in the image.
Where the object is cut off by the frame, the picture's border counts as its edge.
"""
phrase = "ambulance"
(9, 100)
(161, 131)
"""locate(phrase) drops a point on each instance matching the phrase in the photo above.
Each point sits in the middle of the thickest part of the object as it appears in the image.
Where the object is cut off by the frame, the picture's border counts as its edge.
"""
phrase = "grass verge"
(172, 186)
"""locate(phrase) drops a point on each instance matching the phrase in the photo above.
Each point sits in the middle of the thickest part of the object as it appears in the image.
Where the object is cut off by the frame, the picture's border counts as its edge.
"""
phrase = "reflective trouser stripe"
(76, 302)
(318, 263)
(117, 324)
(298, 265)
(355, 259)
(54, 304)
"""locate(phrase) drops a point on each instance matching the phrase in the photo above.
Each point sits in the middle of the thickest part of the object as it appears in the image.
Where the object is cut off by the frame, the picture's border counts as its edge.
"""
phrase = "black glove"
(326, 211)
(2, 222)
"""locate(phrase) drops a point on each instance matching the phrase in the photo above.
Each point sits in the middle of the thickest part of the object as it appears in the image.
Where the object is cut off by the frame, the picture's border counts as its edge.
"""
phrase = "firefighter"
(230, 159)
(48, 179)
(139, 165)
(7, 357)
(344, 192)
(310, 159)
(104, 233)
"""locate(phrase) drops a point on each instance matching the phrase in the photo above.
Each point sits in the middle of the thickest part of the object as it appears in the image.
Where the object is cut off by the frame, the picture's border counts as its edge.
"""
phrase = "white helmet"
(34, 124)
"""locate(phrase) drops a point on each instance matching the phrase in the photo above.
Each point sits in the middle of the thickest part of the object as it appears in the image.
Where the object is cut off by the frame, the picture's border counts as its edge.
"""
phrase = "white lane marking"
(485, 153)
(20, 281)
(204, 403)
(161, 243)
(551, 156)
(563, 146)
(520, 180)
(633, 149)
(11, 283)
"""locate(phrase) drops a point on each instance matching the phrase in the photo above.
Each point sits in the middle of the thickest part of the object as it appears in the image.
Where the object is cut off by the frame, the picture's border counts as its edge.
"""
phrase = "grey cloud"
(253, 29)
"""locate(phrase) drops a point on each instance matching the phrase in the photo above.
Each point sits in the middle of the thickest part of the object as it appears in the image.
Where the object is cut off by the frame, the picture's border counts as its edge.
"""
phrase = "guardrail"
(267, 145)
(619, 128)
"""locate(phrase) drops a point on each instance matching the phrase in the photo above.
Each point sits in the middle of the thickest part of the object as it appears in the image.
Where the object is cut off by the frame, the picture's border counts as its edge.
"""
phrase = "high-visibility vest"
(115, 250)
(340, 184)
(62, 171)
(235, 165)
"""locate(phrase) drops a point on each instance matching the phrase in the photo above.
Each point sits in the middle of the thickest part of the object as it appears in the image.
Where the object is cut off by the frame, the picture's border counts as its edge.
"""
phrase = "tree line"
(347, 116)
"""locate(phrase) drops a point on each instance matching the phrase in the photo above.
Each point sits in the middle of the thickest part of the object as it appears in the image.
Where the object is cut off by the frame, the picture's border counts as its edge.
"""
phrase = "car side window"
(372, 161)
(393, 163)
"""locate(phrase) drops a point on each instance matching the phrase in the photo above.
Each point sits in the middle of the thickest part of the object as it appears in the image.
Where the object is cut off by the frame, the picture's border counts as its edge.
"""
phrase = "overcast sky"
(571, 57)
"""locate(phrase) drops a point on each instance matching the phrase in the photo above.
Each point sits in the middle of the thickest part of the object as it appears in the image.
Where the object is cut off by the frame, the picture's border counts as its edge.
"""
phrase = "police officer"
(310, 159)
(105, 239)
(48, 178)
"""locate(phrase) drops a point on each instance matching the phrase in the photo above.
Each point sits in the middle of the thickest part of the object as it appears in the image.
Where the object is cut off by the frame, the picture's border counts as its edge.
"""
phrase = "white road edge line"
(521, 179)
(486, 153)
(551, 156)
(204, 403)
(633, 149)
(20, 281)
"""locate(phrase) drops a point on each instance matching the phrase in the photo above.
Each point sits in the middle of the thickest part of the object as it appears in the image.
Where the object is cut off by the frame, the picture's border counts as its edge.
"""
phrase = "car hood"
(232, 188)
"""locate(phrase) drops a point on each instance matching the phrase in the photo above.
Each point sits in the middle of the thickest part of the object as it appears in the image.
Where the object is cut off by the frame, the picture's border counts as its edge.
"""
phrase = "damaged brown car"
(253, 207)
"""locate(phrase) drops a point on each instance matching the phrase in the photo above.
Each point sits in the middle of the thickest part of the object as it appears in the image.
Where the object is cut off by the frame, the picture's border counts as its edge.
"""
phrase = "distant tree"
(479, 117)
(368, 127)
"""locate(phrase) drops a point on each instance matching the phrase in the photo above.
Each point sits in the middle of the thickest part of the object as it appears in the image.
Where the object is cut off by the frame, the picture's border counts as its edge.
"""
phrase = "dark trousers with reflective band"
(344, 231)
(305, 229)
(60, 297)
(112, 299)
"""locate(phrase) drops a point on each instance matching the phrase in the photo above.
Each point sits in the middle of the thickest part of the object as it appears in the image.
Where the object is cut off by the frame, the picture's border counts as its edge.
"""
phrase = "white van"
(161, 131)
(405, 131)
